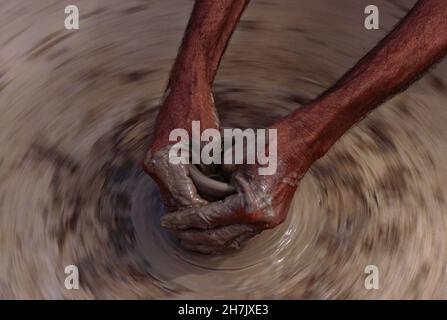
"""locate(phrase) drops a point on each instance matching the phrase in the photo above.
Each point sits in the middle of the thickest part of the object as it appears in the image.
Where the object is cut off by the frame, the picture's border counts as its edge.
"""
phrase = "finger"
(174, 180)
(222, 236)
(201, 248)
(240, 241)
(212, 215)
(210, 188)
(181, 186)
(236, 244)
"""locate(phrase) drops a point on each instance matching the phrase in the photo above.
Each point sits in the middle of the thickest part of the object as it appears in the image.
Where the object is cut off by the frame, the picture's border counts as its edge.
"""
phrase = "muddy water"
(77, 109)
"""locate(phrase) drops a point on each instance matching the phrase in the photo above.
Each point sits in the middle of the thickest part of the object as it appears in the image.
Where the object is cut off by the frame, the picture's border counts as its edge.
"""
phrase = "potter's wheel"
(77, 110)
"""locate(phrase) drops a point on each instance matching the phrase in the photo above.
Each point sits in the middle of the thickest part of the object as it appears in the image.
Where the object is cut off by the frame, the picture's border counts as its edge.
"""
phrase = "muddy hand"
(177, 188)
(261, 203)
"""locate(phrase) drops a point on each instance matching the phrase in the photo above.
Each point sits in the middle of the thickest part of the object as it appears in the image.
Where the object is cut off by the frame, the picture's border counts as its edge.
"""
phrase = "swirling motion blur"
(77, 110)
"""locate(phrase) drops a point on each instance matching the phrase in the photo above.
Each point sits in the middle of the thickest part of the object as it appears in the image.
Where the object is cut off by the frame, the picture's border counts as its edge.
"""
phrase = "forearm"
(410, 49)
(207, 34)
(188, 95)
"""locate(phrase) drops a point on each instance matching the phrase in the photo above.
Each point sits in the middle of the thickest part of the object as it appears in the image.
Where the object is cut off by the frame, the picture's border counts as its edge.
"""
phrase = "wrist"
(315, 127)
(299, 136)
(182, 106)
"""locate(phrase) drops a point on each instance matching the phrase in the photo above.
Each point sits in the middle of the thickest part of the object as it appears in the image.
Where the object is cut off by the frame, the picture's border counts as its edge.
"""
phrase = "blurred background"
(76, 113)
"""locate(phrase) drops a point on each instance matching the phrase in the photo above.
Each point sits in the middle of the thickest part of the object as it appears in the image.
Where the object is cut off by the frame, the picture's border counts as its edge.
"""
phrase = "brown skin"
(262, 202)
(189, 97)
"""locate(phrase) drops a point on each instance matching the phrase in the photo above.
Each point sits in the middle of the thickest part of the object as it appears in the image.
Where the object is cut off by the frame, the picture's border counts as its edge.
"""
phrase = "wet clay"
(77, 112)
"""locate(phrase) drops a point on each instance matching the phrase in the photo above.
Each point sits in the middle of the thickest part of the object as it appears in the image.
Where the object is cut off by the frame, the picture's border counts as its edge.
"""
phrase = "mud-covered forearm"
(188, 95)
(419, 41)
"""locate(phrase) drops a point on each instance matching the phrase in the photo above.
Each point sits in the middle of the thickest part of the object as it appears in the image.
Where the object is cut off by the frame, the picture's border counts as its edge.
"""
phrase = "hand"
(177, 188)
(261, 202)
(180, 107)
